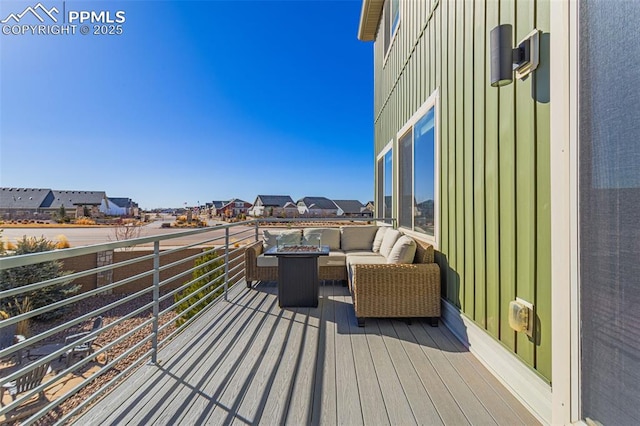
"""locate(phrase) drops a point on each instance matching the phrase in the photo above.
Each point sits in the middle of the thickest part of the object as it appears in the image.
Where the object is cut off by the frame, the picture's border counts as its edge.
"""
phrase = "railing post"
(156, 301)
(257, 230)
(226, 262)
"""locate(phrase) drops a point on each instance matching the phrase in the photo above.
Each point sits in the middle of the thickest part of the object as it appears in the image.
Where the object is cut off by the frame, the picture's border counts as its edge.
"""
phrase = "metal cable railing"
(173, 287)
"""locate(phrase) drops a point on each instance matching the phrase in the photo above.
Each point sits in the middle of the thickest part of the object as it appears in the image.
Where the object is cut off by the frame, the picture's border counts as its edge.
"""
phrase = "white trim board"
(533, 392)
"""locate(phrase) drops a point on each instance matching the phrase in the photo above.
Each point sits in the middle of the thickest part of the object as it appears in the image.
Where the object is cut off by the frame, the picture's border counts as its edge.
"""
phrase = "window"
(390, 21)
(385, 183)
(417, 172)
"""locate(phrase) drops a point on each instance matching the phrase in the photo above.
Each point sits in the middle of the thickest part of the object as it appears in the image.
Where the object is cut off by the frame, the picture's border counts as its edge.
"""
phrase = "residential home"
(370, 205)
(317, 206)
(234, 208)
(121, 206)
(273, 205)
(351, 208)
(24, 203)
(43, 203)
(526, 183)
(79, 203)
(215, 207)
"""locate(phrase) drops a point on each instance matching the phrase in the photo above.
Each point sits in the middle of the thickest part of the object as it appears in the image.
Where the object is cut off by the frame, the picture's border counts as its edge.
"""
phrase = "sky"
(194, 101)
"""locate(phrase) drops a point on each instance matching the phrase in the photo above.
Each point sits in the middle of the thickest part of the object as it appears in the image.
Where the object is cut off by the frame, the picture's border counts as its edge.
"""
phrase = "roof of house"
(218, 204)
(369, 19)
(273, 200)
(24, 198)
(349, 206)
(75, 198)
(121, 201)
(322, 203)
(235, 200)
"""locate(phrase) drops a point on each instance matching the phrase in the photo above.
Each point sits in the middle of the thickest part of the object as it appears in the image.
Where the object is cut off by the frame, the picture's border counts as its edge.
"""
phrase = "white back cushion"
(269, 238)
(328, 237)
(357, 237)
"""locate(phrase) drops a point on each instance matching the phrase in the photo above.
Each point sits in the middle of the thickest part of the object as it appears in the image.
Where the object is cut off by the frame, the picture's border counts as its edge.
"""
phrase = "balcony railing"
(158, 272)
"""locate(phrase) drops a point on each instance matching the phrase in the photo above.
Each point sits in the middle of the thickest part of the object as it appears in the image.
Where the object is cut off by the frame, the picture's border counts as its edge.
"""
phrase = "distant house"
(273, 205)
(24, 203)
(352, 208)
(79, 203)
(121, 206)
(234, 208)
(44, 203)
(317, 206)
(216, 207)
(371, 206)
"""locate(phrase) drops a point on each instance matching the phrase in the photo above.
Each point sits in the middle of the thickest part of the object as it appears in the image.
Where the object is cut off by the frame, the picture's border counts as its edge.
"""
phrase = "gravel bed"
(107, 336)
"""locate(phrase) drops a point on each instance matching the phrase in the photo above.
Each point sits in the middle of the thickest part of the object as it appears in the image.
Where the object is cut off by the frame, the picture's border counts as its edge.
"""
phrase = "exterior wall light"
(522, 59)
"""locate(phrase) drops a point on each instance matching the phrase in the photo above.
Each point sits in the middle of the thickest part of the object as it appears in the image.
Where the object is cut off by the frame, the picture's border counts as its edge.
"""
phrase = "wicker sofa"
(390, 275)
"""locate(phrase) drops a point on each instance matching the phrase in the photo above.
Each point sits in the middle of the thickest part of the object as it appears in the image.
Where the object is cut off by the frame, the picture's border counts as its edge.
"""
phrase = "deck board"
(347, 393)
(421, 405)
(246, 361)
(395, 401)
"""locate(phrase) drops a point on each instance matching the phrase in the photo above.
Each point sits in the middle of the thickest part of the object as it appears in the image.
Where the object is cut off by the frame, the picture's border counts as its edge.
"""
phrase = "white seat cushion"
(362, 253)
(357, 237)
(389, 239)
(376, 259)
(403, 251)
(265, 261)
(335, 258)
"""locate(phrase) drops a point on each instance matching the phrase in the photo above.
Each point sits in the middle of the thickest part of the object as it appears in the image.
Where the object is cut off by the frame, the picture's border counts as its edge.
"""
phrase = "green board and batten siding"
(494, 157)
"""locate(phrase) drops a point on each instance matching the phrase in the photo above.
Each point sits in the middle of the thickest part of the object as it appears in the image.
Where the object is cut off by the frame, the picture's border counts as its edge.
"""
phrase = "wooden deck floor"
(249, 362)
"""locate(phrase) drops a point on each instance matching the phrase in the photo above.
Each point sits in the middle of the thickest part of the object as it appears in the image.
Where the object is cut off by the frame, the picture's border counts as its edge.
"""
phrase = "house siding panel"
(525, 181)
(479, 187)
(542, 290)
(494, 147)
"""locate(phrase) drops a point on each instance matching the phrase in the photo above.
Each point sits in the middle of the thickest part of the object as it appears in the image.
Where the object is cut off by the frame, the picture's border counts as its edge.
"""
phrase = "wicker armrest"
(251, 254)
(396, 290)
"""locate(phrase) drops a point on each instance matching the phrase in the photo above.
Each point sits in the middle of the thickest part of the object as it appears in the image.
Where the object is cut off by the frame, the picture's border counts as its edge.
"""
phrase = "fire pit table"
(298, 274)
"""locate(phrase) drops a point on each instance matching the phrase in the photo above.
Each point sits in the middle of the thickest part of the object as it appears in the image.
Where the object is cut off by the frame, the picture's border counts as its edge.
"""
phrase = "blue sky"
(194, 101)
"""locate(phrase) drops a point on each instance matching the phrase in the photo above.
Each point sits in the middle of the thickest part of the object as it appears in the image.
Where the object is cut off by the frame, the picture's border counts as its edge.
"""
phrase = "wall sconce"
(522, 59)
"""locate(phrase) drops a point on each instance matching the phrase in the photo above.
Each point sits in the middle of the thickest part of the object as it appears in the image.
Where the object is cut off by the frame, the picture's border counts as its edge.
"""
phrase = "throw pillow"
(389, 239)
(377, 241)
(403, 251)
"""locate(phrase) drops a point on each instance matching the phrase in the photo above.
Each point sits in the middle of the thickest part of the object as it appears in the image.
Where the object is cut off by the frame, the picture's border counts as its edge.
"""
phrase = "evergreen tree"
(206, 277)
(23, 275)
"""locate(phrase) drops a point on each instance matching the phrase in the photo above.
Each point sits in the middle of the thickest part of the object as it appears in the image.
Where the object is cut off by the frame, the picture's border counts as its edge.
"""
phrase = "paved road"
(87, 236)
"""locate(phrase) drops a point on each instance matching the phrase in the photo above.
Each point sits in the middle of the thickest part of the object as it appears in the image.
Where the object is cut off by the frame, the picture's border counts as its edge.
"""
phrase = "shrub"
(23, 275)
(207, 278)
(83, 220)
(63, 242)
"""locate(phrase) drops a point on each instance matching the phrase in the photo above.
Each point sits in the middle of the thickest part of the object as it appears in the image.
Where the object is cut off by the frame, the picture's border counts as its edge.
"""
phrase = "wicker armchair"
(398, 290)
(253, 272)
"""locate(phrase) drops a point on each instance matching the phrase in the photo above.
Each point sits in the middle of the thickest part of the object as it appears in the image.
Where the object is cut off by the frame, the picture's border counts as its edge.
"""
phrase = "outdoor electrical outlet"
(521, 316)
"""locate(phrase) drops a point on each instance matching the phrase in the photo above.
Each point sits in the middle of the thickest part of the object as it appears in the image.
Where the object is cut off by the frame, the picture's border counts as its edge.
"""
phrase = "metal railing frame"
(231, 275)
